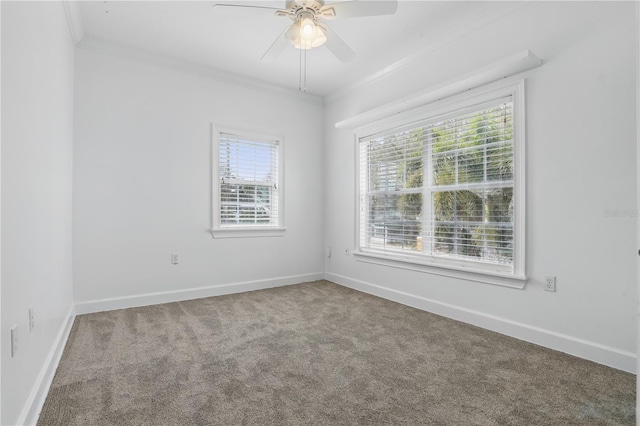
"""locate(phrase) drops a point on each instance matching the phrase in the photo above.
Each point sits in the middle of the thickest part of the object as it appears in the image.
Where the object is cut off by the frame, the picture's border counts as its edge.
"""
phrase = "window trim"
(457, 268)
(217, 231)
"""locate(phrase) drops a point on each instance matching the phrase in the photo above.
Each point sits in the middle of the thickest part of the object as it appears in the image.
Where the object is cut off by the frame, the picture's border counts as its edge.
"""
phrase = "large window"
(247, 193)
(446, 188)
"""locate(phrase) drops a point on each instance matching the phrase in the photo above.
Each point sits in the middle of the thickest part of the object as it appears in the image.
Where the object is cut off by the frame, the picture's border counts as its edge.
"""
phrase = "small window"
(446, 189)
(247, 187)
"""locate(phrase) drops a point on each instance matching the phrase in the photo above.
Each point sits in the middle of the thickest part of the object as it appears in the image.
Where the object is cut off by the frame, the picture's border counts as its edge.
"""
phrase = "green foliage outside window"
(469, 159)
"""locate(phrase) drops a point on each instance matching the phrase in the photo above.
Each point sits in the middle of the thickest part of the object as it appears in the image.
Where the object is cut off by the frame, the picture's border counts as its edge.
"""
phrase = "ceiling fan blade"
(356, 9)
(337, 46)
(277, 47)
(242, 8)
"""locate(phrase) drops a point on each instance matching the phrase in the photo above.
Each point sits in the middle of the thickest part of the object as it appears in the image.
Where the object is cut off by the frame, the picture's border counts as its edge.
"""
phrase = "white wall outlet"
(347, 252)
(32, 319)
(329, 252)
(550, 283)
(14, 340)
(174, 258)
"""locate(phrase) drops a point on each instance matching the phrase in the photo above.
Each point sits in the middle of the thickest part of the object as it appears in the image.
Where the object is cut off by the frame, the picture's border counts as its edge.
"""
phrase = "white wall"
(142, 182)
(37, 126)
(581, 157)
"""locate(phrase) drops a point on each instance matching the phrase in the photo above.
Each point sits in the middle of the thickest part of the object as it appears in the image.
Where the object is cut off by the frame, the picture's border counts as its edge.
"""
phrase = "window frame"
(261, 230)
(457, 268)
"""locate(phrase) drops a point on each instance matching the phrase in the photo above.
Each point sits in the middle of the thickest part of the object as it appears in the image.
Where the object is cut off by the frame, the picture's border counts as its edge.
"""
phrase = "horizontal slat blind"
(442, 186)
(248, 179)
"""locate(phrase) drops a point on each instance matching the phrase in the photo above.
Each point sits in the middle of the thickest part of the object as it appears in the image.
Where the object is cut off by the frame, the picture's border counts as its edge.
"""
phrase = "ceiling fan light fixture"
(305, 34)
(293, 33)
(321, 37)
(308, 29)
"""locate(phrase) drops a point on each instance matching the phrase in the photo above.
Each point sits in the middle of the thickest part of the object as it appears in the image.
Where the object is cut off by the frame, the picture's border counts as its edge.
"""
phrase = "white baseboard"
(32, 407)
(102, 305)
(592, 351)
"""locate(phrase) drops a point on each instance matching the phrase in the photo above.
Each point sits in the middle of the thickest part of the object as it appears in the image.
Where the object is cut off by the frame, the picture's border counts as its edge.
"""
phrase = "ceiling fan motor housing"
(297, 9)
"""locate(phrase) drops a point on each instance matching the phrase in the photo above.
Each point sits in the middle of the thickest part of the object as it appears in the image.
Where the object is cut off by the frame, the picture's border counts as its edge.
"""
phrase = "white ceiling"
(234, 39)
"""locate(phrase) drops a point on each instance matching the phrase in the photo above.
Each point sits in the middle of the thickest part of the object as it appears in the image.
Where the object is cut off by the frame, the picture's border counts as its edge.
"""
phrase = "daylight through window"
(248, 181)
(442, 189)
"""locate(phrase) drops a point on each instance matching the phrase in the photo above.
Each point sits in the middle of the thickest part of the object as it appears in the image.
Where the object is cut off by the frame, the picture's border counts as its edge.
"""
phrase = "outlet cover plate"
(550, 284)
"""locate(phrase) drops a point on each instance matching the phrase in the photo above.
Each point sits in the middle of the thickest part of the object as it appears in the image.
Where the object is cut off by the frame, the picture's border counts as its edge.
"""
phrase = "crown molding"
(506, 67)
(74, 19)
(162, 61)
(455, 34)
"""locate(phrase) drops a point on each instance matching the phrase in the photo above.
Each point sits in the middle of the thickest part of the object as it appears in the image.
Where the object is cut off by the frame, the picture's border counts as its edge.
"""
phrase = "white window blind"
(248, 181)
(442, 188)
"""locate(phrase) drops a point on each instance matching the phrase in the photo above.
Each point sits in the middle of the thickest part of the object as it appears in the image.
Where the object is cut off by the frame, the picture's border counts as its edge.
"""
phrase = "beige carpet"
(318, 353)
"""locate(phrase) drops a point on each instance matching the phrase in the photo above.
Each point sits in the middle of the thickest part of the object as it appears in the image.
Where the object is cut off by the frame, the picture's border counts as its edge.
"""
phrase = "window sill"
(460, 272)
(247, 232)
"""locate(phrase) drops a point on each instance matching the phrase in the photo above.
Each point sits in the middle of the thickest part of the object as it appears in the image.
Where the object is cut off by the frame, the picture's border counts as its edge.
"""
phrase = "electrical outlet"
(14, 340)
(550, 283)
(347, 252)
(32, 319)
(174, 259)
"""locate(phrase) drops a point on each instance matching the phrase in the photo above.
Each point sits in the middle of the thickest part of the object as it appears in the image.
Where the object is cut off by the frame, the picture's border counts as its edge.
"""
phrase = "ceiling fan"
(309, 29)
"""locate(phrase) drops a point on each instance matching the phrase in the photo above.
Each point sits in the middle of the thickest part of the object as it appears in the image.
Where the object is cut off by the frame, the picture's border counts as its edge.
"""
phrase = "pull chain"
(302, 77)
(304, 87)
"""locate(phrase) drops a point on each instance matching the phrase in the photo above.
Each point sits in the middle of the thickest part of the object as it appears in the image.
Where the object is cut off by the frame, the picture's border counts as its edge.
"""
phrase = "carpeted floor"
(318, 353)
